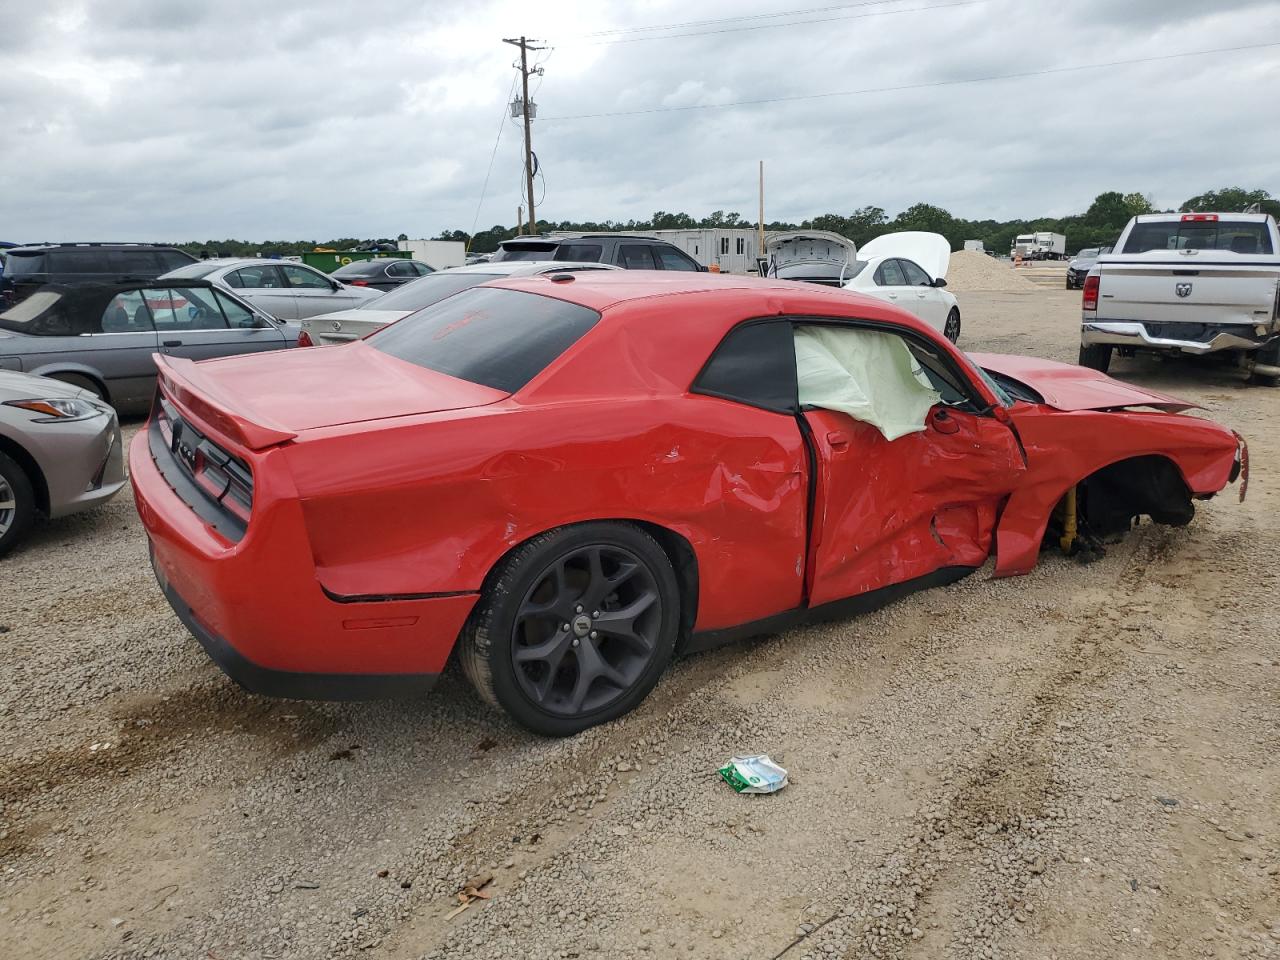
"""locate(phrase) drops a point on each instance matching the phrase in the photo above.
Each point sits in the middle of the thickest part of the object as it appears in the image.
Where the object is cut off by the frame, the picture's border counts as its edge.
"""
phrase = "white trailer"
(440, 254)
(732, 249)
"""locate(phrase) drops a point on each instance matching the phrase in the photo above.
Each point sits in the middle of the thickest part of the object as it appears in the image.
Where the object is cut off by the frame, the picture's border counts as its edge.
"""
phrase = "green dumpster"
(329, 262)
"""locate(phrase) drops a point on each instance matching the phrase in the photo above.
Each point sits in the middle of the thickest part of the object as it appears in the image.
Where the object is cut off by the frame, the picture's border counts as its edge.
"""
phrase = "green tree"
(1232, 200)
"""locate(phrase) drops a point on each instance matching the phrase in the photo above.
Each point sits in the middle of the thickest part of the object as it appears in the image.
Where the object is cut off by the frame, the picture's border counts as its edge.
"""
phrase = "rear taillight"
(1199, 217)
(358, 283)
(1090, 299)
(304, 340)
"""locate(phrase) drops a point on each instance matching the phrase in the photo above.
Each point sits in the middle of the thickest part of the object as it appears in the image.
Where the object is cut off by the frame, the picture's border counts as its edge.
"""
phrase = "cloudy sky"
(186, 119)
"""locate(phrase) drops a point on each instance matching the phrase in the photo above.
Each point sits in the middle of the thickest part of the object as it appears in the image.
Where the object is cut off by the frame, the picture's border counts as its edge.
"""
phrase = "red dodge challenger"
(573, 477)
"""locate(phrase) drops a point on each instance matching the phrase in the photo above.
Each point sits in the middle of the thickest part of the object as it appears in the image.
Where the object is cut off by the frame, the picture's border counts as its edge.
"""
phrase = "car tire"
(530, 605)
(81, 381)
(1096, 356)
(17, 504)
(1270, 355)
(951, 329)
(1070, 285)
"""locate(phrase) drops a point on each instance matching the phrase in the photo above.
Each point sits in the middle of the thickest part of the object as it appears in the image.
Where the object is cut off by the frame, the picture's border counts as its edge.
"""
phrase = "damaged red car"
(570, 479)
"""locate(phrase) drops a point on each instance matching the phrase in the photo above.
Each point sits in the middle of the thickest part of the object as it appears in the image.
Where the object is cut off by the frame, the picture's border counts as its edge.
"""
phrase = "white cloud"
(188, 120)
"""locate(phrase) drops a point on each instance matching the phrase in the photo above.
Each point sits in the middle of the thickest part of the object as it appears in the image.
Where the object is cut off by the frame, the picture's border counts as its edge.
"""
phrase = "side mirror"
(940, 282)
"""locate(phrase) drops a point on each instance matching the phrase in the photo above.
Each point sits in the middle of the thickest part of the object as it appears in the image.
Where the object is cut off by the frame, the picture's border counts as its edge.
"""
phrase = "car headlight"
(59, 408)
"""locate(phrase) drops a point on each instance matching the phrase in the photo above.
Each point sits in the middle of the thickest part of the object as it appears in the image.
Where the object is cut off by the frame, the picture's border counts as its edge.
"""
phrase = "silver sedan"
(60, 452)
(285, 290)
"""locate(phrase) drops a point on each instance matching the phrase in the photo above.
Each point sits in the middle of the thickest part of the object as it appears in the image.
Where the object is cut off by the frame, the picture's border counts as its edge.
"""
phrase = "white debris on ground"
(970, 270)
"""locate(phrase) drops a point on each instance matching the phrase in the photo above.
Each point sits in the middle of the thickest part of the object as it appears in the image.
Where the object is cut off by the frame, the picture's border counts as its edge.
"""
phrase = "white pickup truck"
(1189, 283)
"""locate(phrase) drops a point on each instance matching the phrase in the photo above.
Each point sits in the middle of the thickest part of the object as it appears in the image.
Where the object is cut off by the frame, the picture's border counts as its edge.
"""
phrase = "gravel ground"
(1078, 763)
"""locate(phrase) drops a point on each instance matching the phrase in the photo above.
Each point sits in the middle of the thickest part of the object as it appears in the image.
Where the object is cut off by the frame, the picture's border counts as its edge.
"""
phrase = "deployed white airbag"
(870, 376)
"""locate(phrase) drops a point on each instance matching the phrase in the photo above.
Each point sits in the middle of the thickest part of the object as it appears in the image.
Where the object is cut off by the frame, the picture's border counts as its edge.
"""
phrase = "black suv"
(628, 252)
(27, 269)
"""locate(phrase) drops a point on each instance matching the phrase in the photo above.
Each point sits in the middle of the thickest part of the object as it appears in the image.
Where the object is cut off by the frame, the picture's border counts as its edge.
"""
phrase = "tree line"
(1100, 224)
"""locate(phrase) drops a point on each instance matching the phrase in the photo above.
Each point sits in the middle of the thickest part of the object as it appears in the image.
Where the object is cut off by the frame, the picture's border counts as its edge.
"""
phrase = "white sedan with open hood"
(910, 270)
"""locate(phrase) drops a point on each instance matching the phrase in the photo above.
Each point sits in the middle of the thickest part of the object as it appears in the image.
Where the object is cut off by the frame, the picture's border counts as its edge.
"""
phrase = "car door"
(118, 343)
(200, 323)
(925, 503)
(264, 286)
(314, 292)
(891, 284)
(930, 306)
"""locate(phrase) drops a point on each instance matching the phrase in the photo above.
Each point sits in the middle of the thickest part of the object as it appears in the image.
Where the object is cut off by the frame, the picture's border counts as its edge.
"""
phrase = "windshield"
(425, 291)
(1229, 235)
(1001, 393)
(492, 336)
(1088, 254)
(1027, 239)
(193, 271)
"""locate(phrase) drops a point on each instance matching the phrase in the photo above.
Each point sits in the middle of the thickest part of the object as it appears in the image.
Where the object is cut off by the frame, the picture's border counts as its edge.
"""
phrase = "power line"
(778, 26)
(754, 16)
(506, 106)
(918, 86)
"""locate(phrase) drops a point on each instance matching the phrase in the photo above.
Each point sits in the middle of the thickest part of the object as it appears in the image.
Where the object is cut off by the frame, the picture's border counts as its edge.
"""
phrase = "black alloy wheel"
(575, 628)
(952, 328)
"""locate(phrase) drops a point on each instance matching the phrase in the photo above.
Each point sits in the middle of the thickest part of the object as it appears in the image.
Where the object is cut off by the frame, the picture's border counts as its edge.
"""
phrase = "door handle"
(943, 422)
(893, 296)
(172, 343)
(837, 440)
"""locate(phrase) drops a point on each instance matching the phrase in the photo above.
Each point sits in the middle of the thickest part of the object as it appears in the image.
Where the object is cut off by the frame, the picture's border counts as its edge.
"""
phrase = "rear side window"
(636, 256)
(127, 312)
(756, 365)
(890, 275)
(1235, 236)
(497, 338)
(173, 259)
(78, 261)
(673, 259)
(580, 252)
(144, 263)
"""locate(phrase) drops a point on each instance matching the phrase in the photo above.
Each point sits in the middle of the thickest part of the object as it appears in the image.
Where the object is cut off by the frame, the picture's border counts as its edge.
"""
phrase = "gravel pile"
(970, 270)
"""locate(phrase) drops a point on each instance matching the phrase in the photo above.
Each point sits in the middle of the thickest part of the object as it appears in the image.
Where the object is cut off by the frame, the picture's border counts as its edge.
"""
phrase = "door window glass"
(635, 256)
(184, 308)
(915, 274)
(237, 314)
(264, 277)
(867, 374)
(126, 313)
(890, 275)
(304, 278)
(673, 259)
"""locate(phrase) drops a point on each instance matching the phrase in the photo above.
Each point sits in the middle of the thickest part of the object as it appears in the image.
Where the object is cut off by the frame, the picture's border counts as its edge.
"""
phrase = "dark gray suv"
(29, 268)
(630, 252)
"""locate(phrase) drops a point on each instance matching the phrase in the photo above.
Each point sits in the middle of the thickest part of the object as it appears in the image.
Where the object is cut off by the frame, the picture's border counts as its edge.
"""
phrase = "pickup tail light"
(1199, 217)
(304, 339)
(1090, 299)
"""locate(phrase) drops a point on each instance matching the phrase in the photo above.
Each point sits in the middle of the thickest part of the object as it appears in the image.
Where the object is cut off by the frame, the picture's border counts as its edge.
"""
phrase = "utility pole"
(527, 110)
(760, 248)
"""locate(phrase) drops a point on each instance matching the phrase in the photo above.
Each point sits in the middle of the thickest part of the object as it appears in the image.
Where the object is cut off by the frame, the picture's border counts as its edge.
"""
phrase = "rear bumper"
(1205, 339)
(259, 611)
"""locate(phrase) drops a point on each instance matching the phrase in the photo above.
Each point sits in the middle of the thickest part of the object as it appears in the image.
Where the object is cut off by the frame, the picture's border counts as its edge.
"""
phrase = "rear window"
(360, 268)
(428, 290)
(526, 251)
(21, 264)
(38, 314)
(494, 337)
(1234, 236)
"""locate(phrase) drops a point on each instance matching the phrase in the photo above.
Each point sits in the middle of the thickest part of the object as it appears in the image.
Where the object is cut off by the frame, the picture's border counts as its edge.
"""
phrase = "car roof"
(561, 237)
(123, 245)
(522, 268)
(604, 289)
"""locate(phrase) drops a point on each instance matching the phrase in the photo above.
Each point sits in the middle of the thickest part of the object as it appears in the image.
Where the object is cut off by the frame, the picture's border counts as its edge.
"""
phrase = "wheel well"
(39, 488)
(678, 550)
(1153, 485)
(80, 376)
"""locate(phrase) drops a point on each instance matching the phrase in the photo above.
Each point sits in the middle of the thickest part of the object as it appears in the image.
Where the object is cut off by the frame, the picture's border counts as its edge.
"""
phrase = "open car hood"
(1065, 386)
(268, 398)
(930, 250)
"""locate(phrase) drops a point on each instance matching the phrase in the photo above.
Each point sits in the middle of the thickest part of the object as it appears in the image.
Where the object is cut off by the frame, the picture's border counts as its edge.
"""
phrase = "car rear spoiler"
(184, 384)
